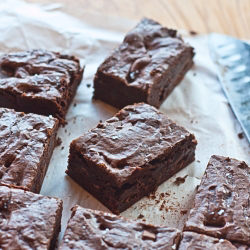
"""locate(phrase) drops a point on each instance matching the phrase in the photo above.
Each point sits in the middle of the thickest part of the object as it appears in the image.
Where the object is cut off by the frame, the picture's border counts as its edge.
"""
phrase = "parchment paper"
(198, 104)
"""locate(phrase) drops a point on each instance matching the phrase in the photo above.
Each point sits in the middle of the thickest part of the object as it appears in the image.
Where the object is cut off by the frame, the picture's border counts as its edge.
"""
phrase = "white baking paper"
(198, 104)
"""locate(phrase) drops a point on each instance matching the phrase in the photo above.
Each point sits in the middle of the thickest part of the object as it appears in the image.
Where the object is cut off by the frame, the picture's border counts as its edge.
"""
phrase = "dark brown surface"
(194, 241)
(130, 155)
(222, 207)
(28, 220)
(146, 67)
(26, 145)
(89, 229)
(39, 81)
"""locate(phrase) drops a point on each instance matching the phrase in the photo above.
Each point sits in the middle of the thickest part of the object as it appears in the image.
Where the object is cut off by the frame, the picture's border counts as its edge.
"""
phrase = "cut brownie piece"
(122, 160)
(39, 82)
(146, 67)
(89, 229)
(28, 220)
(26, 145)
(222, 208)
(196, 241)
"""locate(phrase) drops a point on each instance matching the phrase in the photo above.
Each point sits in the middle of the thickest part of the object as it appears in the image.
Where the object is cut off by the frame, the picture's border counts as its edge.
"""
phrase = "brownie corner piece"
(221, 208)
(146, 67)
(27, 144)
(90, 229)
(128, 156)
(28, 220)
(191, 240)
(39, 81)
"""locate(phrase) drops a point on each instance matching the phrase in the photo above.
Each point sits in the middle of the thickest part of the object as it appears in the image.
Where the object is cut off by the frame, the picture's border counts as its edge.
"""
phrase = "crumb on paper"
(100, 121)
(88, 85)
(74, 104)
(62, 148)
(140, 216)
(198, 161)
(58, 141)
(183, 212)
(191, 121)
(193, 33)
(194, 74)
(180, 180)
(241, 135)
(66, 130)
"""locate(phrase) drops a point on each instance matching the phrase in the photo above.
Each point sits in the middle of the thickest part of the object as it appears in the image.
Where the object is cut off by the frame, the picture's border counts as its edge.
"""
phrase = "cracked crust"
(222, 204)
(90, 229)
(129, 155)
(27, 143)
(39, 82)
(146, 67)
(28, 220)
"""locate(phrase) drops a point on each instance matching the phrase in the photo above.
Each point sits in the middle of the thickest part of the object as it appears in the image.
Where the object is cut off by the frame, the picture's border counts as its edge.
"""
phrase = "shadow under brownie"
(222, 208)
(28, 220)
(146, 67)
(39, 81)
(90, 229)
(130, 155)
(26, 144)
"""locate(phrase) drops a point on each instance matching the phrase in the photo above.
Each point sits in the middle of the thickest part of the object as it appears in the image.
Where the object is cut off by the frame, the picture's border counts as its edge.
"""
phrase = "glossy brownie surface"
(39, 77)
(89, 229)
(222, 207)
(26, 144)
(28, 220)
(145, 68)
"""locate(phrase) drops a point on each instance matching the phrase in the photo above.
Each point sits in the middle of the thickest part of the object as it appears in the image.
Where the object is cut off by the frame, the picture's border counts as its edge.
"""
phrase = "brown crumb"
(66, 130)
(180, 180)
(58, 141)
(74, 104)
(100, 121)
(183, 212)
(161, 207)
(88, 85)
(167, 194)
(140, 216)
(162, 195)
(191, 121)
(198, 161)
(241, 135)
(62, 148)
(193, 33)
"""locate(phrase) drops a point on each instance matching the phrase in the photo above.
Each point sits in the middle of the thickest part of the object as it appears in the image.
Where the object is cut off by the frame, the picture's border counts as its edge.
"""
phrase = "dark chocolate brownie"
(194, 241)
(89, 229)
(222, 208)
(146, 67)
(39, 82)
(26, 145)
(28, 220)
(122, 160)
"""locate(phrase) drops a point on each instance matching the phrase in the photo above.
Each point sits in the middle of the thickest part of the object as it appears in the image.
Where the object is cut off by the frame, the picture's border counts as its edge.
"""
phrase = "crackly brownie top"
(89, 229)
(222, 207)
(23, 139)
(37, 73)
(133, 138)
(191, 241)
(145, 54)
(27, 220)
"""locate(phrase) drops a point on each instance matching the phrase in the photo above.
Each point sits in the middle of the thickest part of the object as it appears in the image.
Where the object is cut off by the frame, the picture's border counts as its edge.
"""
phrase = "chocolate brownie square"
(90, 229)
(222, 208)
(146, 67)
(28, 220)
(191, 241)
(26, 145)
(130, 155)
(39, 81)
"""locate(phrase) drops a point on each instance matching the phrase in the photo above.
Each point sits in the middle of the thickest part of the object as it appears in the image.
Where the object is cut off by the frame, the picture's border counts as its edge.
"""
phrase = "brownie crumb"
(100, 121)
(167, 194)
(58, 141)
(183, 212)
(62, 148)
(140, 216)
(193, 33)
(241, 135)
(74, 104)
(180, 180)
(66, 130)
(191, 121)
(198, 161)
(88, 85)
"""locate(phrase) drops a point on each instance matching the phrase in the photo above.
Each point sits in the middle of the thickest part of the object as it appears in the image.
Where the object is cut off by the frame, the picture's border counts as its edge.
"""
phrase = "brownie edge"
(90, 229)
(130, 155)
(221, 208)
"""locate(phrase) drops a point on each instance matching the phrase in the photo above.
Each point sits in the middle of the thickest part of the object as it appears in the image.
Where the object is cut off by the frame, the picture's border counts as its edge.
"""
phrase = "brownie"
(196, 241)
(146, 67)
(130, 155)
(28, 220)
(222, 208)
(90, 229)
(39, 82)
(26, 145)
